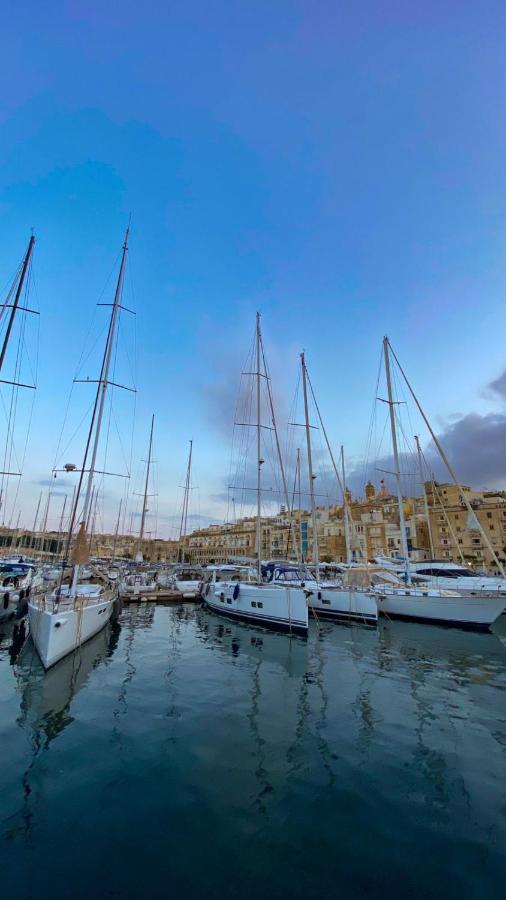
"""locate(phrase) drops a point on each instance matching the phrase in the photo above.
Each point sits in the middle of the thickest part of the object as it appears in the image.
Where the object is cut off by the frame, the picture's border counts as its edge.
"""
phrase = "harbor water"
(178, 754)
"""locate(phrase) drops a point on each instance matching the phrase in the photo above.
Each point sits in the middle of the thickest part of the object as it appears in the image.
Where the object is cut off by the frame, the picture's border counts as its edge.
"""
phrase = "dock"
(162, 596)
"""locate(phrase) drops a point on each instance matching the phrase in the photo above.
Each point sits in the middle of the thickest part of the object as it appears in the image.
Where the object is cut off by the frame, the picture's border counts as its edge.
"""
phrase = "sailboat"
(426, 603)
(139, 582)
(68, 616)
(346, 600)
(275, 605)
(186, 579)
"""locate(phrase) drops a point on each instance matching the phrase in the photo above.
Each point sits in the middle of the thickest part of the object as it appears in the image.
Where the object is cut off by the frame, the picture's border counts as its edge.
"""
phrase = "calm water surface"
(180, 755)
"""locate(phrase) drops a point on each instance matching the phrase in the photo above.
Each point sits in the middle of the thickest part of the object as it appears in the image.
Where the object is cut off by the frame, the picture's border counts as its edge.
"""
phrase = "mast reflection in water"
(187, 753)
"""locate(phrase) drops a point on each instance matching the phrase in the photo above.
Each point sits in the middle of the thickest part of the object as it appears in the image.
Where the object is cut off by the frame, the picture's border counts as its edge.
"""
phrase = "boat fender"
(222, 595)
(6, 600)
(5, 582)
(319, 595)
(236, 592)
(208, 588)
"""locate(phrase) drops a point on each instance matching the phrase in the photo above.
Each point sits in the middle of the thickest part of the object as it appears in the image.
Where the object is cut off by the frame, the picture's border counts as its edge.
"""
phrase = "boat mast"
(316, 554)
(35, 521)
(186, 500)
(98, 412)
(116, 531)
(15, 304)
(146, 487)
(299, 503)
(397, 472)
(278, 446)
(259, 458)
(425, 503)
(446, 461)
(347, 541)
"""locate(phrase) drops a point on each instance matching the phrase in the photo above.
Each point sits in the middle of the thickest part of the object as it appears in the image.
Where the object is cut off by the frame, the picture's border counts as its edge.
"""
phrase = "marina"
(174, 734)
(252, 451)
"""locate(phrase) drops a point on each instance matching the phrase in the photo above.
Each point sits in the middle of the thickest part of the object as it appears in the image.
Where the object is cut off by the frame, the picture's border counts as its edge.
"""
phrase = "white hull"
(274, 607)
(345, 604)
(56, 634)
(431, 606)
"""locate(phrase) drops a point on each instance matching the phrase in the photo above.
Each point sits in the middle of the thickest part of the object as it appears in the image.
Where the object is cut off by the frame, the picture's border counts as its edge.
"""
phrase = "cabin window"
(229, 600)
(326, 601)
(253, 603)
(260, 605)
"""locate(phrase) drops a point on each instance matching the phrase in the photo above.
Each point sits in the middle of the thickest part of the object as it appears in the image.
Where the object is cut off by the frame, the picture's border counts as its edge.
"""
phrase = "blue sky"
(339, 168)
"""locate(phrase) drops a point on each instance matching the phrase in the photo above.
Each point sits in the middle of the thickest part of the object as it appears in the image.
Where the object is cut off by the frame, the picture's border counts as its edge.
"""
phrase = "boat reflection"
(47, 696)
(242, 641)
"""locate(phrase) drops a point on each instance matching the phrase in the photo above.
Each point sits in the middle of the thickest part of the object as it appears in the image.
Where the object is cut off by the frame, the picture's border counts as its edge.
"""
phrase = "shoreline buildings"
(454, 534)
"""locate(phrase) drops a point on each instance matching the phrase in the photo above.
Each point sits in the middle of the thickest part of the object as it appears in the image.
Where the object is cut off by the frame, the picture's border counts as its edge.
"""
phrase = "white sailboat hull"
(344, 604)
(448, 609)
(56, 634)
(274, 607)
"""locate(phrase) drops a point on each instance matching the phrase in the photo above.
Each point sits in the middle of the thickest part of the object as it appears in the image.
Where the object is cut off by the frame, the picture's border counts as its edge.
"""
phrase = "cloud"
(474, 444)
(498, 386)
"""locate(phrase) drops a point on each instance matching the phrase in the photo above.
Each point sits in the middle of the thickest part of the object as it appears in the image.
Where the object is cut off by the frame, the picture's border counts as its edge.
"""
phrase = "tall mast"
(117, 530)
(146, 486)
(316, 555)
(104, 376)
(278, 445)
(186, 500)
(62, 516)
(97, 415)
(15, 304)
(299, 503)
(35, 520)
(259, 457)
(347, 540)
(425, 503)
(397, 472)
(453, 476)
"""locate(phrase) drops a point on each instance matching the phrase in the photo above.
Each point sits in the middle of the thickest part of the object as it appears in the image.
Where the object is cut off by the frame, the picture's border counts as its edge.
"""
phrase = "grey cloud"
(498, 386)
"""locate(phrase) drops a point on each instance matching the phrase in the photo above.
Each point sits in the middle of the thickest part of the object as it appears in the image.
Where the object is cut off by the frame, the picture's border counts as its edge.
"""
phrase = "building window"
(489, 515)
